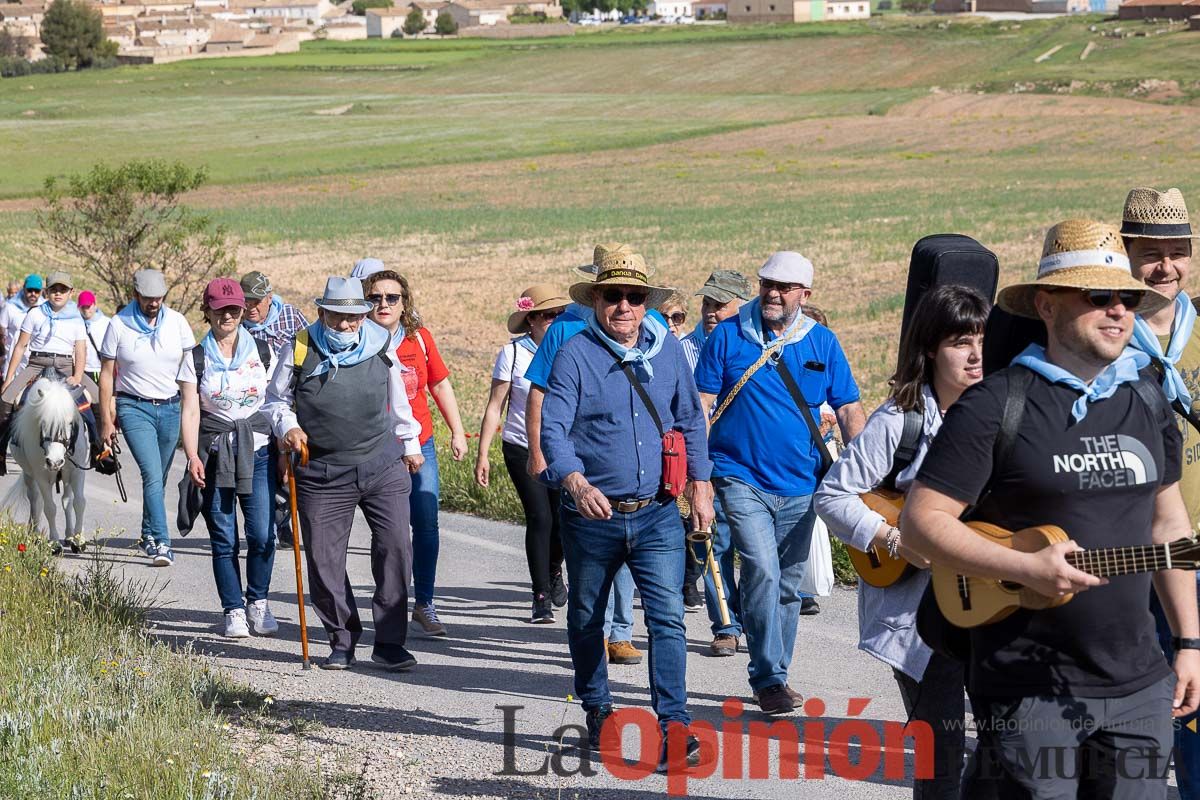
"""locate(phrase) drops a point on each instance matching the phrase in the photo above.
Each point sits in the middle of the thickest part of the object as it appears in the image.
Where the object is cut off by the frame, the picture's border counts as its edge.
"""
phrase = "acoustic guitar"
(970, 602)
(875, 566)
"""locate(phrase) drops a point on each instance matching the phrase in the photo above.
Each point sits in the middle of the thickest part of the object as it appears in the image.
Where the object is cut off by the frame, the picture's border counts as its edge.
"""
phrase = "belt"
(629, 506)
(151, 400)
(51, 356)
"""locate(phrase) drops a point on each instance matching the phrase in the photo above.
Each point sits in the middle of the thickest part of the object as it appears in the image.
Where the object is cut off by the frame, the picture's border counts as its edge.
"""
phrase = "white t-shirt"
(96, 327)
(145, 369)
(11, 317)
(61, 342)
(506, 370)
(244, 393)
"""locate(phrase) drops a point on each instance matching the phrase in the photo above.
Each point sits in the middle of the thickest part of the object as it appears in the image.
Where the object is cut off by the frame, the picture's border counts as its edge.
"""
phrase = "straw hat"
(541, 297)
(620, 268)
(1081, 254)
(1151, 214)
(589, 270)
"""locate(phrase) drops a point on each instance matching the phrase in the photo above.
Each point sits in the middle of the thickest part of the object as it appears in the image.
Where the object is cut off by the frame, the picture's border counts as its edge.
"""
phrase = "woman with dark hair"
(423, 368)
(940, 358)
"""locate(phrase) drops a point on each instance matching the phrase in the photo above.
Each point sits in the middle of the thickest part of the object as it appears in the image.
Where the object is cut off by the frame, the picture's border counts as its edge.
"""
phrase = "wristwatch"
(1185, 644)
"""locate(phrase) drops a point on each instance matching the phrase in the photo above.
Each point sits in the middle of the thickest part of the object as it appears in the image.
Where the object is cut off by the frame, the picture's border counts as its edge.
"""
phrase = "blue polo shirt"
(569, 323)
(761, 438)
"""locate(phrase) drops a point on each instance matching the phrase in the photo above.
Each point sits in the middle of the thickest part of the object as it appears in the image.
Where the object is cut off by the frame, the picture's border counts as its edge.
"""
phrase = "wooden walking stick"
(705, 537)
(291, 478)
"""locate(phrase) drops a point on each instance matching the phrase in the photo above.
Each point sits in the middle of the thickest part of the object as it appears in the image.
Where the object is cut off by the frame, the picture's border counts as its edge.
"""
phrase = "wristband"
(1185, 644)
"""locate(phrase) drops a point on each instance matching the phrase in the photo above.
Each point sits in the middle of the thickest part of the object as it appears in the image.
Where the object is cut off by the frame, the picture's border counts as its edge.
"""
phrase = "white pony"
(50, 443)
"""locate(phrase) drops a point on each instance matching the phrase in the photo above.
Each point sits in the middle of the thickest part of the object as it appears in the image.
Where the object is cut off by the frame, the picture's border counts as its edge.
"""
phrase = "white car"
(589, 21)
(685, 20)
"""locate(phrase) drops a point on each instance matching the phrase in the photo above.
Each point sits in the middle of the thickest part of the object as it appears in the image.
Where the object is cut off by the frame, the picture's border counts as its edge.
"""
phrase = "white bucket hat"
(344, 296)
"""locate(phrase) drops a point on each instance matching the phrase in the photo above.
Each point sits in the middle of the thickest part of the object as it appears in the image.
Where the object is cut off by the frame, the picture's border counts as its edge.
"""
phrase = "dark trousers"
(938, 700)
(328, 494)
(543, 543)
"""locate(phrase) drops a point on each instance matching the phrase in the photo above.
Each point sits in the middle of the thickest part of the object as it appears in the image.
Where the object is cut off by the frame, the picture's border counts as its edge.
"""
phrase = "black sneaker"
(775, 700)
(595, 721)
(809, 607)
(543, 611)
(339, 659)
(691, 754)
(558, 590)
(692, 600)
(392, 656)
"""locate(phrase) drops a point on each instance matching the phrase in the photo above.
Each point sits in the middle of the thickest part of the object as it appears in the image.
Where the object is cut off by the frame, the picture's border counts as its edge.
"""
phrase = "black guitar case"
(1006, 335)
(948, 258)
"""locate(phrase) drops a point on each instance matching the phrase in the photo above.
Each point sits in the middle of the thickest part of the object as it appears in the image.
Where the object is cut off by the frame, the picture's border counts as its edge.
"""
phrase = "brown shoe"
(775, 700)
(797, 698)
(723, 645)
(623, 653)
(426, 616)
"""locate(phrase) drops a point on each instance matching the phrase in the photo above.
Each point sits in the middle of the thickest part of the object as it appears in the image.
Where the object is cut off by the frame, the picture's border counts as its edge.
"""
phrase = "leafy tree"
(914, 6)
(414, 23)
(74, 31)
(112, 222)
(360, 7)
(445, 24)
(10, 45)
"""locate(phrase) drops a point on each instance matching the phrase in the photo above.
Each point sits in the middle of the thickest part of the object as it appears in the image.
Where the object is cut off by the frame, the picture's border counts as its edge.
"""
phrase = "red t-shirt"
(422, 367)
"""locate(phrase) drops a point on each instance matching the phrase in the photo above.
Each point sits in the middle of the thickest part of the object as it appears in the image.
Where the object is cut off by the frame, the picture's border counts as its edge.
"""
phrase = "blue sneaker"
(149, 547)
(163, 556)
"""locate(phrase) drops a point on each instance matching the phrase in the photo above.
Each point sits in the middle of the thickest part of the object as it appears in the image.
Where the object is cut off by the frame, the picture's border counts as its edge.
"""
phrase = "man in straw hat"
(1092, 449)
(603, 442)
(767, 370)
(328, 392)
(618, 620)
(1158, 236)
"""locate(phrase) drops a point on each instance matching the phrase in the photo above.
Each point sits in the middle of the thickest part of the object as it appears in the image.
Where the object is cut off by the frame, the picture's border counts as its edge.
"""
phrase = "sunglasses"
(1103, 298)
(551, 315)
(775, 286)
(614, 296)
(227, 311)
(390, 299)
(678, 318)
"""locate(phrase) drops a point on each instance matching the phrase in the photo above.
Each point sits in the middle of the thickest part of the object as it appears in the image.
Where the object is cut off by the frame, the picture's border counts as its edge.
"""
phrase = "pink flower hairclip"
(524, 303)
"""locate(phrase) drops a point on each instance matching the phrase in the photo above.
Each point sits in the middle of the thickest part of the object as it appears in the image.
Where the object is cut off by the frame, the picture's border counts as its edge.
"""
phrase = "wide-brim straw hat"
(589, 271)
(542, 297)
(621, 269)
(344, 296)
(1151, 214)
(1081, 254)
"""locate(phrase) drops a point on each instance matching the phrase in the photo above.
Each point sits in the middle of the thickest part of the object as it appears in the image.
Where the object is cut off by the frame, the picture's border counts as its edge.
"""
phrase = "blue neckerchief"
(751, 322)
(137, 322)
(1123, 370)
(69, 311)
(272, 316)
(1146, 340)
(397, 338)
(19, 301)
(655, 333)
(527, 342)
(371, 340)
(241, 353)
(99, 315)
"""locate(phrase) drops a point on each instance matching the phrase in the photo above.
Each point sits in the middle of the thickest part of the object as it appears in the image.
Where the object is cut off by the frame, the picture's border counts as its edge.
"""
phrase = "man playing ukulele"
(1075, 700)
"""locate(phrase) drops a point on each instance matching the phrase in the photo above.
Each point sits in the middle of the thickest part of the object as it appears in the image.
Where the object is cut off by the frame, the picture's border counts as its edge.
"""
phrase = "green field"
(481, 167)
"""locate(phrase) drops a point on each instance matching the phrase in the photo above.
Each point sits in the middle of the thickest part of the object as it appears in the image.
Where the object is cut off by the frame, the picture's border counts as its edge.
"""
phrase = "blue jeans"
(423, 510)
(151, 431)
(220, 512)
(618, 612)
(1187, 744)
(723, 555)
(772, 533)
(650, 541)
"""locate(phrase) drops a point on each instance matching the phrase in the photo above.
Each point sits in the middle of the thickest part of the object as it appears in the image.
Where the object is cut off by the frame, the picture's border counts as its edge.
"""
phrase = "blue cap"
(34, 282)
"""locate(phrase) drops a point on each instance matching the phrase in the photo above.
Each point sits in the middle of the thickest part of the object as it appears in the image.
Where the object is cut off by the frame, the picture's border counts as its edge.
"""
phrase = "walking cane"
(291, 478)
(705, 537)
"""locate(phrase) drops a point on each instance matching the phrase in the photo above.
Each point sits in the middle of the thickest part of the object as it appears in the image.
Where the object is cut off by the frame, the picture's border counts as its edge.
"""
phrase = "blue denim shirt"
(594, 422)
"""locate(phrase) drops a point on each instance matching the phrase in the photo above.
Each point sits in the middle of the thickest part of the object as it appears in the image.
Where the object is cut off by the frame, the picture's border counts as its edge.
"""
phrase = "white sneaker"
(235, 624)
(262, 621)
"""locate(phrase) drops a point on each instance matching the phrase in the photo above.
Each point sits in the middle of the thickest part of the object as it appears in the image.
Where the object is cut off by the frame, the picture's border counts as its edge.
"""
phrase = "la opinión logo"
(737, 748)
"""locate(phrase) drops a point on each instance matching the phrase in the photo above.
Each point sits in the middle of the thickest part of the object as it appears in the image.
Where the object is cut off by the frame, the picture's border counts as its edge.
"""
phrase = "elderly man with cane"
(620, 416)
(337, 393)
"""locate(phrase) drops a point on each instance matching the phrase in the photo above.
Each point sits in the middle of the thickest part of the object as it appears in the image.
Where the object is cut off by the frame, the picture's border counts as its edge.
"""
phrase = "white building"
(383, 22)
(669, 8)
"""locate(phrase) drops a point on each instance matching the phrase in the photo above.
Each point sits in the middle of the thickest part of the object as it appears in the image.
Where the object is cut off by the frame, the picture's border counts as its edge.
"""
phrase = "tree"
(914, 6)
(445, 24)
(414, 23)
(74, 31)
(10, 45)
(112, 222)
(360, 7)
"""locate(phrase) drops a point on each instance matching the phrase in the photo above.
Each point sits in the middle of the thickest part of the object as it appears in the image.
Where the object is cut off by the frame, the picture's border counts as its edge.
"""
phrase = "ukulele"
(969, 602)
(875, 566)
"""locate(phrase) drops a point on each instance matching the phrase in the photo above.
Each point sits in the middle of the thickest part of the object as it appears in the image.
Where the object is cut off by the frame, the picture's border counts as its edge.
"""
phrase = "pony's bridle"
(68, 445)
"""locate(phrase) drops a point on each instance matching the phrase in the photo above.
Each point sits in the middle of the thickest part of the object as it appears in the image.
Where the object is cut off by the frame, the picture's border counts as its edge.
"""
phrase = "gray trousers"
(327, 495)
(1091, 748)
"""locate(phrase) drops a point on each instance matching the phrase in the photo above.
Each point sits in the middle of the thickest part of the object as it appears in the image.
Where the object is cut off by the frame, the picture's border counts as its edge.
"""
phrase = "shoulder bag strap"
(1019, 381)
(198, 361)
(264, 354)
(806, 412)
(642, 393)
(1176, 405)
(906, 451)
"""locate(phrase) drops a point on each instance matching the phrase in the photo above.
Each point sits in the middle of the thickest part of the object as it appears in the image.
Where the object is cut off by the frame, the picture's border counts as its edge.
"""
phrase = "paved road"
(436, 731)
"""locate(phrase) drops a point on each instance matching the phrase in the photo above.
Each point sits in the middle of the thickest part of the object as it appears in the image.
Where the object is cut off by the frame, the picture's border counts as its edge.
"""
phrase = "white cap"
(788, 267)
(366, 267)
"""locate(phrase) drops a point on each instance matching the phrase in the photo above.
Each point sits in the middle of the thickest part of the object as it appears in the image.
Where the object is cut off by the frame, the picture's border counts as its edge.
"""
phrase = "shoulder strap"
(299, 354)
(1152, 395)
(1178, 407)
(264, 353)
(1019, 381)
(512, 370)
(421, 341)
(198, 361)
(806, 413)
(906, 451)
(642, 393)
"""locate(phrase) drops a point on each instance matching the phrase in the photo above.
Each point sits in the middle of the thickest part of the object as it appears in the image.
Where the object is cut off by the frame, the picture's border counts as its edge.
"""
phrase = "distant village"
(159, 31)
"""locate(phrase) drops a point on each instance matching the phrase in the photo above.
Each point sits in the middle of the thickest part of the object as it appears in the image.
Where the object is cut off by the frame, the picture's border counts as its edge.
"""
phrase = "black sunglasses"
(1103, 298)
(678, 318)
(615, 296)
(392, 299)
(553, 314)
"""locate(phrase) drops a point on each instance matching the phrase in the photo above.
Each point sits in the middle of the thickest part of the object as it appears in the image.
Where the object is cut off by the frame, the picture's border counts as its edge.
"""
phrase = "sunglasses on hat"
(614, 296)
